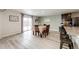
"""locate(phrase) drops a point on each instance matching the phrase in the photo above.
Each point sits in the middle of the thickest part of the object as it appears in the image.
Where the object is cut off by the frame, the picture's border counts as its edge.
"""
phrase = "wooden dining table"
(42, 28)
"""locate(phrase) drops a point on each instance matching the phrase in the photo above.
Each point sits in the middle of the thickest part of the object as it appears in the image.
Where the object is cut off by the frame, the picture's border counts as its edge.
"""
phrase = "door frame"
(22, 16)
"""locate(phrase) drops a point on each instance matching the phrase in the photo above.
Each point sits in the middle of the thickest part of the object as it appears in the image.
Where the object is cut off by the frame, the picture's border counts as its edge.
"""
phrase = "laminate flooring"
(28, 41)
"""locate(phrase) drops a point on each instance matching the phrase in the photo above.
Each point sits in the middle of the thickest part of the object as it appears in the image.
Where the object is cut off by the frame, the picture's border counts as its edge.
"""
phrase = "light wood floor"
(28, 41)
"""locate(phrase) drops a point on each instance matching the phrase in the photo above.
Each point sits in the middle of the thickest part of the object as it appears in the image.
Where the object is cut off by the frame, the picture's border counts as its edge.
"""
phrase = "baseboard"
(10, 35)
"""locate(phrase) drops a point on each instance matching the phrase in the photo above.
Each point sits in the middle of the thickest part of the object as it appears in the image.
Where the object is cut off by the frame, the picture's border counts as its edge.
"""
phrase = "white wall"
(0, 26)
(9, 28)
(54, 22)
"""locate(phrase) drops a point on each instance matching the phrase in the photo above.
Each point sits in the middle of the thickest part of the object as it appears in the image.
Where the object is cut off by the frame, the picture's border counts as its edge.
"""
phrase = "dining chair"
(48, 27)
(47, 30)
(64, 38)
(36, 30)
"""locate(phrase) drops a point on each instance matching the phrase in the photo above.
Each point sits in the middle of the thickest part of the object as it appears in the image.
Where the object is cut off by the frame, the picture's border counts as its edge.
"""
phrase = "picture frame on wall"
(13, 18)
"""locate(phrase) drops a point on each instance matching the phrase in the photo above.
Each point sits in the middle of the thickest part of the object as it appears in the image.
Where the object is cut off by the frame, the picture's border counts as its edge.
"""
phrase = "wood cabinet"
(67, 20)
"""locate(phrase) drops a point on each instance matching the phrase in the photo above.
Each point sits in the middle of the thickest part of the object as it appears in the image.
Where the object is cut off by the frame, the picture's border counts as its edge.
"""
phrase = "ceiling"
(46, 12)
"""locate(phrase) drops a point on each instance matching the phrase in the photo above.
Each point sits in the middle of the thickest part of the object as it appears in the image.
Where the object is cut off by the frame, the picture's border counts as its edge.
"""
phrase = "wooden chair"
(64, 38)
(47, 30)
(48, 27)
(36, 30)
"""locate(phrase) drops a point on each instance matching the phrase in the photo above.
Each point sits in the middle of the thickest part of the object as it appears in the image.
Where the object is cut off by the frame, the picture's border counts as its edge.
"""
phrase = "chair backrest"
(62, 30)
(48, 26)
(44, 24)
(36, 28)
(63, 33)
(36, 25)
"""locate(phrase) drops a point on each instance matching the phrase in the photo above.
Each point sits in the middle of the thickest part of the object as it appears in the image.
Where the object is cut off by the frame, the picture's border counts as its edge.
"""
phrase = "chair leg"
(44, 33)
(33, 32)
(41, 35)
(71, 46)
(61, 45)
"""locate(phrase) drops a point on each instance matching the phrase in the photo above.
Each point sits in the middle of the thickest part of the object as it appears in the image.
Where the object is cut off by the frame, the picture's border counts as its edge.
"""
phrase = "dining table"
(41, 28)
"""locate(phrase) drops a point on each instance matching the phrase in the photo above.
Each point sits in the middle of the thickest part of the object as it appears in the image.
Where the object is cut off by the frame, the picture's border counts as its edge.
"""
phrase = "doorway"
(27, 23)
